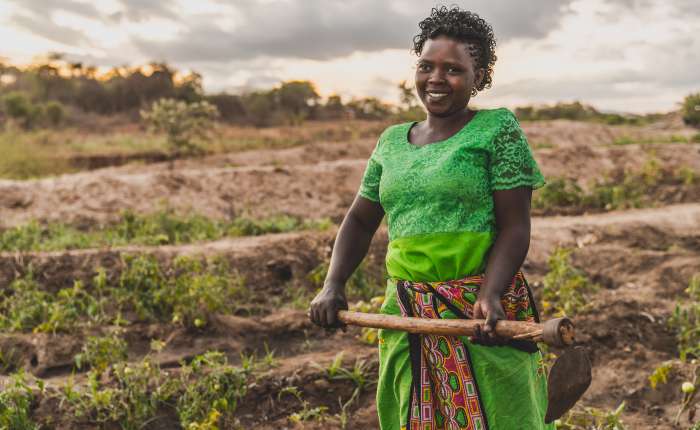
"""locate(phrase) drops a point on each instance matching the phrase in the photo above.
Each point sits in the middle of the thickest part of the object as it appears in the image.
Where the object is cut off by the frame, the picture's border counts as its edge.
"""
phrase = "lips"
(436, 96)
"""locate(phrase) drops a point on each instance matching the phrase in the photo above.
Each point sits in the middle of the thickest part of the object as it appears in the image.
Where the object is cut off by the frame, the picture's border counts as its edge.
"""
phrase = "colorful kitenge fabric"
(445, 394)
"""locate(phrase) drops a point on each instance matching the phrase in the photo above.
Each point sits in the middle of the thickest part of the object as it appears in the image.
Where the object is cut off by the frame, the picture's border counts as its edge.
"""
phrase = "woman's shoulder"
(498, 115)
(393, 134)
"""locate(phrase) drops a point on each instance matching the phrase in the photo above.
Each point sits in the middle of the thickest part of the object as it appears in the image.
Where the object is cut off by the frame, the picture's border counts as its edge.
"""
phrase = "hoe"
(568, 379)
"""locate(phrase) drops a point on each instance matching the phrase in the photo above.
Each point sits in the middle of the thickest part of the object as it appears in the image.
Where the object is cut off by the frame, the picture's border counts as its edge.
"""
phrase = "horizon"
(603, 53)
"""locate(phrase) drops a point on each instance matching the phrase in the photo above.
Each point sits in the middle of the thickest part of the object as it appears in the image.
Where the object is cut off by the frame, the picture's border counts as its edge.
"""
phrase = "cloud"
(141, 10)
(326, 29)
(36, 17)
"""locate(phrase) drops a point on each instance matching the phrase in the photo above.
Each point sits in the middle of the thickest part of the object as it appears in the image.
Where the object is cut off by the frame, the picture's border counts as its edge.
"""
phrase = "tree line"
(45, 92)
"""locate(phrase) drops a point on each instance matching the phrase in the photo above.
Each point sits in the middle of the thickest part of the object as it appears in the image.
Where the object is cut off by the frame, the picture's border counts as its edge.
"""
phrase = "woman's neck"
(451, 122)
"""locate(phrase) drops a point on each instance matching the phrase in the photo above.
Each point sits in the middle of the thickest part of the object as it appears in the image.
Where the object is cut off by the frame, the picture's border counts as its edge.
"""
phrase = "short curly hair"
(466, 27)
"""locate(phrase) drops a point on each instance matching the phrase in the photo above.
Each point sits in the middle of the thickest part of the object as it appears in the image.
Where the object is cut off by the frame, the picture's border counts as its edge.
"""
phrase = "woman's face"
(445, 76)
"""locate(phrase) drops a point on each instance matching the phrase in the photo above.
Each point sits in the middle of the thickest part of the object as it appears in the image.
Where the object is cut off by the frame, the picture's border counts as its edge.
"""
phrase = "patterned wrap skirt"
(432, 382)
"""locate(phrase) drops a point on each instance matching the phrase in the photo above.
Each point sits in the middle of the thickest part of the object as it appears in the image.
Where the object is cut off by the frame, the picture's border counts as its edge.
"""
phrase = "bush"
(54, 113)
(18, 107)
(691, 110)
(183, 123)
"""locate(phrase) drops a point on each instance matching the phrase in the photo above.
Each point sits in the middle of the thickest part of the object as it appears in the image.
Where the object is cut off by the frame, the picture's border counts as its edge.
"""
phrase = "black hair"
(466, 27)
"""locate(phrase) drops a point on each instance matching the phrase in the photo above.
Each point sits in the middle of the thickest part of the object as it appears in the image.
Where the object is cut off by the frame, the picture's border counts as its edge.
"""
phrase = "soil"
(642, 259)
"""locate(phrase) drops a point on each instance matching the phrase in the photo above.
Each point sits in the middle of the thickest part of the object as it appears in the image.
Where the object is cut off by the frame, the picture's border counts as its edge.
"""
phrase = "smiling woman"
(456, 190)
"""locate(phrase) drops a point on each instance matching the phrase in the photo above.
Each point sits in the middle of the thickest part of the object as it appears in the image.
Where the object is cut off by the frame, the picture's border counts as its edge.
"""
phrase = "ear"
(479, 77)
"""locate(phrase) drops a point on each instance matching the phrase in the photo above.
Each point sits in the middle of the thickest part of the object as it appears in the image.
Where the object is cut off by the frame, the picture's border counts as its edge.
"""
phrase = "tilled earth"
(643, 259)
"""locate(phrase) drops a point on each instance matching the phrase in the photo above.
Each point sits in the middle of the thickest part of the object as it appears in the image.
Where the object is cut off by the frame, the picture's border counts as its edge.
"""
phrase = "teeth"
(436, 95)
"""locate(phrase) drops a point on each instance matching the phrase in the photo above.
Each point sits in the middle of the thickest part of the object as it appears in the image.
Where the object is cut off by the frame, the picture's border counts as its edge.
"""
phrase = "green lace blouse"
(438, 198)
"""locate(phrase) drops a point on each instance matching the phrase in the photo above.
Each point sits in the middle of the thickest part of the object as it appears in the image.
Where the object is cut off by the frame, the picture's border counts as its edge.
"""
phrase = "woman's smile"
(445, 76)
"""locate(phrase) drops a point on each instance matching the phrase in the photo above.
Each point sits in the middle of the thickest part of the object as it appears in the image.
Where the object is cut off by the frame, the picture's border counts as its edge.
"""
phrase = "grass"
(673, 138)
(50, 152)
(186, 293)
(163, 227)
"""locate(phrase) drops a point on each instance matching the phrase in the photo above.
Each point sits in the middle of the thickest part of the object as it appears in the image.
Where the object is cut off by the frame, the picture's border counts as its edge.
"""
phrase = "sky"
(617, 55)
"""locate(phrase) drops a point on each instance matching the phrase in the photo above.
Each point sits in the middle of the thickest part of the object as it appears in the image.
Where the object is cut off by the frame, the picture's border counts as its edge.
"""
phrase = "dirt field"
(643, 259)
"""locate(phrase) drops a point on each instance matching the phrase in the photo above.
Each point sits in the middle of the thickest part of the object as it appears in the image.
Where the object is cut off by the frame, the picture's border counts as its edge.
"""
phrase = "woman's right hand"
(325, 306)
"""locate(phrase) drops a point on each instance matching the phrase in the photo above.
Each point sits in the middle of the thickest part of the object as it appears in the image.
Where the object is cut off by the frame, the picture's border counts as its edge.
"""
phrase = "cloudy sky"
(623, 55)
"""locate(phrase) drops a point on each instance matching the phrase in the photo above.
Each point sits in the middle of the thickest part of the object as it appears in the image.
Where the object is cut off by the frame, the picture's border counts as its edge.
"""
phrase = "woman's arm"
(512, 210)
(351, 245)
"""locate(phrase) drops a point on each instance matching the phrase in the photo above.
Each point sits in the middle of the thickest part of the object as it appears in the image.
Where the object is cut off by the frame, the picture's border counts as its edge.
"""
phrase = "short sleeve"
(512, 163)
(369, 187)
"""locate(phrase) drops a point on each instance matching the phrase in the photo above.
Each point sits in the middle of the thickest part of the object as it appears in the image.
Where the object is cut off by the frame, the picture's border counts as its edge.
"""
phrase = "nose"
(436, 76)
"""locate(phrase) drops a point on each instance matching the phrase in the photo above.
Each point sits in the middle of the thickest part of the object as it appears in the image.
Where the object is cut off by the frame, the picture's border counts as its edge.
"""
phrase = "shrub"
(54, 113)
(566, 288)
(183, 123)
(18, 107)
(691, 110)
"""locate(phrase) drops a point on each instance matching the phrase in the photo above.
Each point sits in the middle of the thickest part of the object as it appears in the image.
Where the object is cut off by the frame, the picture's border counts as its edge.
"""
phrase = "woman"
(456, 189)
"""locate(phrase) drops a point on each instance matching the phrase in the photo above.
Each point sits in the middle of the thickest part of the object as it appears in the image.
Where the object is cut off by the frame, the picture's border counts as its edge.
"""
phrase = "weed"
(16, 400)
(367, 334)
(187, 293)
(360, 285)
(163, 227)
(615, 190)
(627, 140)
(212, 390)
(566, 288)
(587, 418)
(558, 192)
(660, 374)
(101, 352)
(685, 320)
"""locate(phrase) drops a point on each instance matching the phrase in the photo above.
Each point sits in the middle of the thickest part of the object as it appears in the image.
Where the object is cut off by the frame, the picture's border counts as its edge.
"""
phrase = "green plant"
(159, 228)
(197, 291)
(360, 285)
(23, 305)
(566, 288)
(16, 401)
(685, 320)
(660, 374)
(182, 122)
(212, 390)
(307, 413)
(101, 352)
(558, 192)
(587, 418)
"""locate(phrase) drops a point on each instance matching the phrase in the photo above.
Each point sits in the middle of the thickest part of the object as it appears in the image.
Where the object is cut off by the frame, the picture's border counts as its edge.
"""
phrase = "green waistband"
(438, 256)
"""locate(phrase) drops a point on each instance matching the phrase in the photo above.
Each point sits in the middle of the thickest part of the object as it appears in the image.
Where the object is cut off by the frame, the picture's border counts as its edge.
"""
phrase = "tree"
(691, 110)
(183, 123)
(296, 99)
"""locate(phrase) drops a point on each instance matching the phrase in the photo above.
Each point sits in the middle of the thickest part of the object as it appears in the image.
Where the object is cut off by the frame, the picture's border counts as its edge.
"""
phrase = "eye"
(423, 67)
(454, 70)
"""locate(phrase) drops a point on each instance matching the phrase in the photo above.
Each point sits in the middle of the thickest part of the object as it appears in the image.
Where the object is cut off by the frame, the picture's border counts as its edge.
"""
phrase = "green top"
(438, 198)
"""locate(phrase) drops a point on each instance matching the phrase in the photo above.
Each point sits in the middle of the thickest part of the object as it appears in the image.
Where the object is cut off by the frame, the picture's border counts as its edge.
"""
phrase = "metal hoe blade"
(569, 378)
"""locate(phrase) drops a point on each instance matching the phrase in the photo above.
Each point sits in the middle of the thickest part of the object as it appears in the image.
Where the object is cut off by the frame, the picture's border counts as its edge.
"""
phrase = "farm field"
(173, 294)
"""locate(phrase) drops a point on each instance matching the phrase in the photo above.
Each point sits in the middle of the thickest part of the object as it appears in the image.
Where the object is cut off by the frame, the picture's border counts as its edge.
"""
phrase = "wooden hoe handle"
(554, 332)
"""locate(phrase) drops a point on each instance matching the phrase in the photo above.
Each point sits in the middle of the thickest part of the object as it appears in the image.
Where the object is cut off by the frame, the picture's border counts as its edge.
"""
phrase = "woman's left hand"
(490, 309)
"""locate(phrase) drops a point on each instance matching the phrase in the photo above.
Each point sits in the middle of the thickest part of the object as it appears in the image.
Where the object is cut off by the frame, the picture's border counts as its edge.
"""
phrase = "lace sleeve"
(512, 163)
(369, 187)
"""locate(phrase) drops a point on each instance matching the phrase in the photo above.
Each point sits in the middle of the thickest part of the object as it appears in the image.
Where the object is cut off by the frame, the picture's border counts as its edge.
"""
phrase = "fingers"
(490, 325)
(478, 313)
